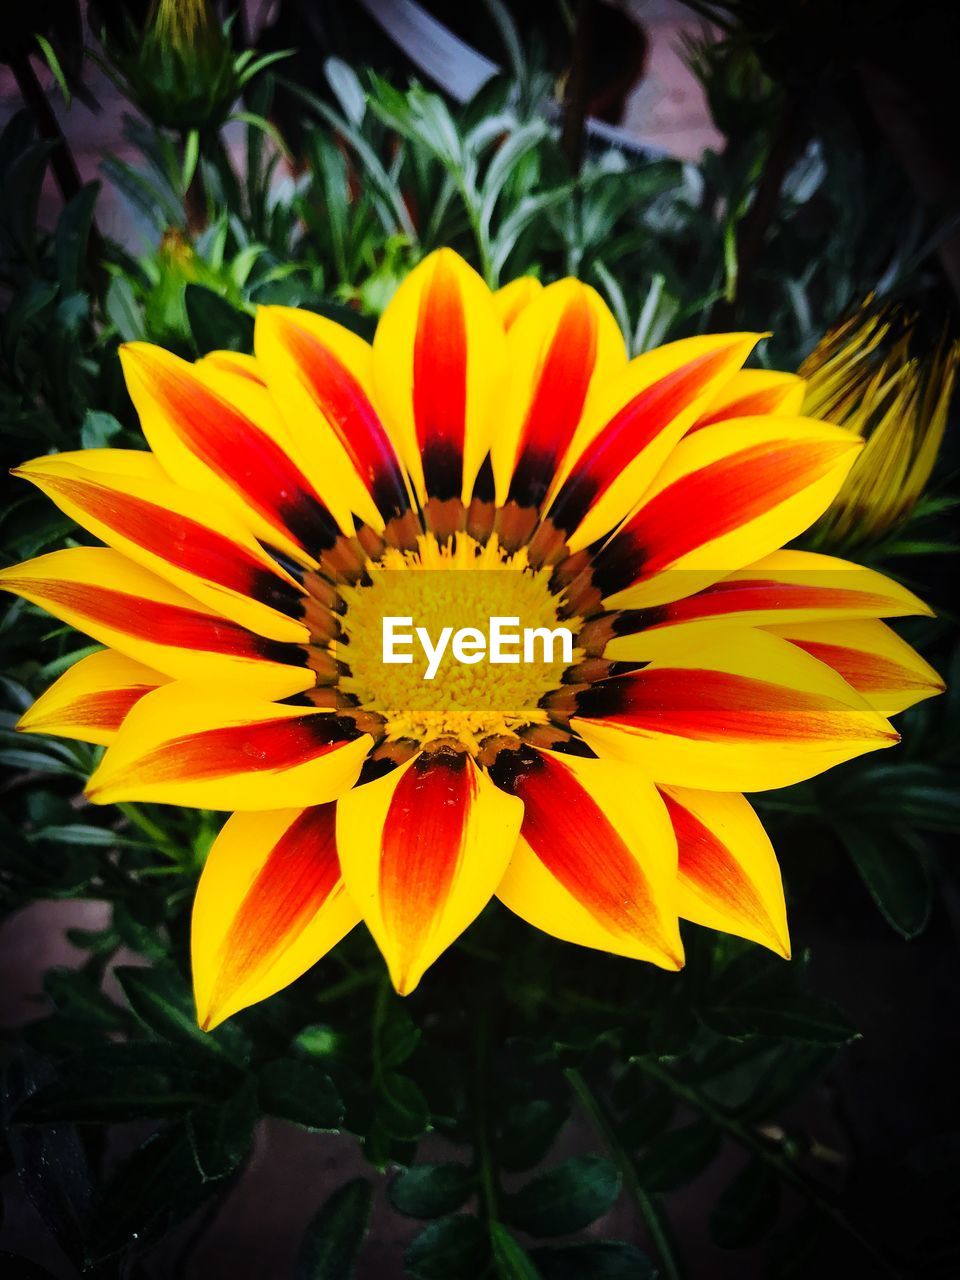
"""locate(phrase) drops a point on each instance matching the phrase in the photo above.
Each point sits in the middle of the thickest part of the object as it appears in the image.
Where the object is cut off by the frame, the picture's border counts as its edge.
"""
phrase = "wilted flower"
(863, 376)
(294, 500)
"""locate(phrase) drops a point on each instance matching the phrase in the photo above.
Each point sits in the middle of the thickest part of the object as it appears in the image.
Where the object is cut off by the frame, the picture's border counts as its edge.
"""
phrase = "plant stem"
(746, 1137)
(645, 1203)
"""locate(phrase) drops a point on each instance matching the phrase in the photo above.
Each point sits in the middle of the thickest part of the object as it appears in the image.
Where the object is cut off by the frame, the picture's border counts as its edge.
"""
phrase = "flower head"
(459, 470)
(864, 376)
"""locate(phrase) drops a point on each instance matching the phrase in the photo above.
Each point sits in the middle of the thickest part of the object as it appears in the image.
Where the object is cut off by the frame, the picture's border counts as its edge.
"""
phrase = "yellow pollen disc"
(460, 584)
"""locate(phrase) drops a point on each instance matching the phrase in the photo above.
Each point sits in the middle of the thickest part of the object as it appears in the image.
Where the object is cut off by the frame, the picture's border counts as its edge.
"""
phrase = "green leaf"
(123, 310)
(215, 323)
(605, 1260)
(675, 1157)
(332, 1241)
(101, 1095)
(402, 1110)
(747, 1208)
(398, 1034)
(51, 1163)
(565, 1198)
(431, 1190)
(509, 1260)
(529, 1131)
(451, 1249)
(154, 1188)
(99, 429)
(892, 868)
(160, 999)
(221, 1134)
(72, 234)
(300, 1092)
(75, 993)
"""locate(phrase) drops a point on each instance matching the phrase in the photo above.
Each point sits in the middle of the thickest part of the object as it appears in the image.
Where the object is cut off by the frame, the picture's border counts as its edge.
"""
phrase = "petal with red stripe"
(728, 877)
(634, 422)
(91, 699)
(738, 710)
(596, 862)
(439, 359)
(211, 439)
(755, 393)
(872, 658)
(101, 592)
(236, 363)
(727, 496)
(785, 587)
(513, 298)
(184, 745)
(422, 851)
(321, 376)
(563, 347)
(270, 903)
(124, 498)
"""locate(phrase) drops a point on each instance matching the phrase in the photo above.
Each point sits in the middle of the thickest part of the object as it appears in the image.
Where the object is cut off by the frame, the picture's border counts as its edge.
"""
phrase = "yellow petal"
(728, 877)
(91, 699)
(439, 359)
(422, 851)
(562, 350)
(727, 496)
(596, 862)
(101, 592)
(739, 711)
(633, 423)
(513, 298)
(321, 376)
(184, 744)
(270, 903)
(872, 658)
(125, 498)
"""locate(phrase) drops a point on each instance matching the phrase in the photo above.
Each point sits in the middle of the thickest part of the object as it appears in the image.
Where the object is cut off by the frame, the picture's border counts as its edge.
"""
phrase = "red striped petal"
(440, 382)
(341, 399)
(226, 441)
(557, 402)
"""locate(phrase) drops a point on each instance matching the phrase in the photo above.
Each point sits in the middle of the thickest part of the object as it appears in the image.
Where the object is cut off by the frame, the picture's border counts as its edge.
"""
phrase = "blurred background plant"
(544, 1111)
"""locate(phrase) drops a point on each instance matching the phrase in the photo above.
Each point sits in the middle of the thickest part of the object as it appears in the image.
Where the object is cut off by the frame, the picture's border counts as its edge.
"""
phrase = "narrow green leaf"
(331, 1243)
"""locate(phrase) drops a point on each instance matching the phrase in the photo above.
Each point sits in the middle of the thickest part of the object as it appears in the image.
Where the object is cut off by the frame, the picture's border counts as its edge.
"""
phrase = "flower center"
(446, 589)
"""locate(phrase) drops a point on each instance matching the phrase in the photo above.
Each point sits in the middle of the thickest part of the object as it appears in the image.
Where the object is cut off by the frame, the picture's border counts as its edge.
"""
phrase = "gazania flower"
(291, 500)
(863, 376)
